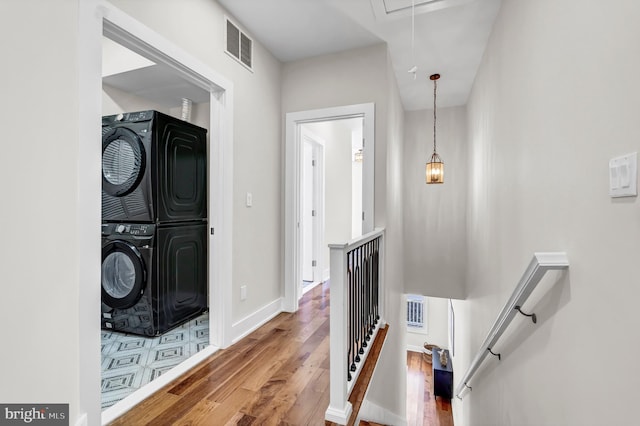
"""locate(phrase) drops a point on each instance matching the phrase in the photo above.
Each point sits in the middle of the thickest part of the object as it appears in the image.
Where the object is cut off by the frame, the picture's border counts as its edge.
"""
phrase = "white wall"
(197, 26)
(39, 171)
(356, 184)
(555, 98)
(437, 329)
(346, 78)
(354, 77)
(116, 101)
(389, 382)
(435, 243)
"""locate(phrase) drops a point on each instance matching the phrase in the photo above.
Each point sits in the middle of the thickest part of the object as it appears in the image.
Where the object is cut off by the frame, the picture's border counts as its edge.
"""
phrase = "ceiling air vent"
(239, 45)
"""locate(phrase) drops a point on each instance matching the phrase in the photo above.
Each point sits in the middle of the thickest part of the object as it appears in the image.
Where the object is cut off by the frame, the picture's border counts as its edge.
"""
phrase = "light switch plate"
(249, 199)
(623, 176)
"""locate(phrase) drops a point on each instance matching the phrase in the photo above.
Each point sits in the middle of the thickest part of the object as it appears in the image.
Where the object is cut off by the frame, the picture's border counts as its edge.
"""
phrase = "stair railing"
(357, 312)
(539, 265)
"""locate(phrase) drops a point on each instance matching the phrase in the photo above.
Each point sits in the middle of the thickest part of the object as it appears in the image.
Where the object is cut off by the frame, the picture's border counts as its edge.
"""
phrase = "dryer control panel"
(127, 117)
(137, 229)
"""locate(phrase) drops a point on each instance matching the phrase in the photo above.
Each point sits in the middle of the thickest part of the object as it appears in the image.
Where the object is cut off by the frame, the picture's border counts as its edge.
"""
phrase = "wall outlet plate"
(623, 176)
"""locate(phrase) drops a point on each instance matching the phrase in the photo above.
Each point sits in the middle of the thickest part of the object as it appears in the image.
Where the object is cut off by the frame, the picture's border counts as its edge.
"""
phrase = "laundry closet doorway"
(103, 19)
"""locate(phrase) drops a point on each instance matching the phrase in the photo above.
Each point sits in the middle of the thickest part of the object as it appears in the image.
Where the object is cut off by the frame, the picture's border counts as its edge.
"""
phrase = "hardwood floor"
(278, 375)
(422, 408)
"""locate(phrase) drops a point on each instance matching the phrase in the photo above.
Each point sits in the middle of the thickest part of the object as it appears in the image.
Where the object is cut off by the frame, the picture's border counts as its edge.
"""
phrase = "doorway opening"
(134, 352)
(312, 209)
(329, 190)
(104, 20)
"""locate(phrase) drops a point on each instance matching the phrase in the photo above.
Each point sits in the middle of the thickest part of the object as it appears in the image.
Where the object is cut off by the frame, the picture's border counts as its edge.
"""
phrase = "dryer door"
(123, 161)
(124, 275)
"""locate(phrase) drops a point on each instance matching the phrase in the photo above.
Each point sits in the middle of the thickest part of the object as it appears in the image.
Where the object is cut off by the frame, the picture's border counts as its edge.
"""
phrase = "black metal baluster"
(360, 302)
(357, 293)
(363, 269)
(367, 288)
(363, 291)
(376, 281)
(351, 364)
(370, 318)
(363, 310)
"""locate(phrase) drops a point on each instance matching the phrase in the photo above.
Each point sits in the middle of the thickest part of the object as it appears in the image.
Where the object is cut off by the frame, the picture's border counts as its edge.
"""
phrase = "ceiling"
(127, 71)
(450, 37)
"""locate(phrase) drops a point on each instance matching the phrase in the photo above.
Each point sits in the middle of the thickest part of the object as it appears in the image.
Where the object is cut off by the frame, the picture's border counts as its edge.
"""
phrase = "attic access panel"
(391, 9)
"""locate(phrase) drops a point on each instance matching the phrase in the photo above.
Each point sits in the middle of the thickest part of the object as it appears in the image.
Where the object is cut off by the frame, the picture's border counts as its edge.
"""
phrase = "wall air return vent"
(238, 44)
(415, 311)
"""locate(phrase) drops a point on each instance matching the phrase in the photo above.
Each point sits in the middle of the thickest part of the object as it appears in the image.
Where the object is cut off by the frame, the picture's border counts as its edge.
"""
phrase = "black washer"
(124, 275)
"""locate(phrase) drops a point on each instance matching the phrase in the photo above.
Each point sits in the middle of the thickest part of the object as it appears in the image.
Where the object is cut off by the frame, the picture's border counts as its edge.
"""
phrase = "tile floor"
(129, 361)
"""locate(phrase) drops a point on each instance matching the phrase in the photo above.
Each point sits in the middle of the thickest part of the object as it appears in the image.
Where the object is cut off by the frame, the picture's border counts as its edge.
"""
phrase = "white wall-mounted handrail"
(540, 264)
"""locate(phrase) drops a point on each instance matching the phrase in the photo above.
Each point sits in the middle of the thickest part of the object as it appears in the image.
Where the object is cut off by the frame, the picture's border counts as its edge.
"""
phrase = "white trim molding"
(414, 348)
(340, 417)
(373, 412)
(252, 322)
(293, 120)
(126, 404)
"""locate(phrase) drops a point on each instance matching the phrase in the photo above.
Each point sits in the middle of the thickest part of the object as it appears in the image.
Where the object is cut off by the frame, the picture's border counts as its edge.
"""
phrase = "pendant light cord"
(435, 83)
(413, 26)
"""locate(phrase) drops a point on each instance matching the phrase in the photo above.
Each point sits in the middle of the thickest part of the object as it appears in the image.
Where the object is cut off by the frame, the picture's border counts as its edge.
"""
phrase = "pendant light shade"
(435, 169)
(435, 166)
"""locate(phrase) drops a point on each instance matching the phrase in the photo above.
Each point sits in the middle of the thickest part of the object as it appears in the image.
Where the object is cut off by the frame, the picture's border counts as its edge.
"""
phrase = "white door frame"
(293, 152)
(318, 145)
(97, 17)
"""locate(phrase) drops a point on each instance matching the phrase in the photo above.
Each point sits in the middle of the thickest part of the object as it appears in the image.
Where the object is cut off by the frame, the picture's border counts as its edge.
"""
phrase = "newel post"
(339, 408)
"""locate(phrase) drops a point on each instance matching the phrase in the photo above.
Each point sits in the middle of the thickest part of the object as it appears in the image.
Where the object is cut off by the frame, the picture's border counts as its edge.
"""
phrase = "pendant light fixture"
(435, 166)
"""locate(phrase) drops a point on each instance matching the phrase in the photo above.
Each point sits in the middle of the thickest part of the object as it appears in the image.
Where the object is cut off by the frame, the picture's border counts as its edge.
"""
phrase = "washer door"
(124, 275)
(123, 161)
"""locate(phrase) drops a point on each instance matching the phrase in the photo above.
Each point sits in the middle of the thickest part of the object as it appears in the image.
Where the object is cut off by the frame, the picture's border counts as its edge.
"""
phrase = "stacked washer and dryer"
(154, 222)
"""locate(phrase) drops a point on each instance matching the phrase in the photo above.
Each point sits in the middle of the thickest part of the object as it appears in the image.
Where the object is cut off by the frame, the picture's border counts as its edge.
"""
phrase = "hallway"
(279, 374)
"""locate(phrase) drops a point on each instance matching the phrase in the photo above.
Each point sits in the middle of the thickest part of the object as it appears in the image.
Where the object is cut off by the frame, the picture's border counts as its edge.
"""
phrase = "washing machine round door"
(123, 275)
(123, 161)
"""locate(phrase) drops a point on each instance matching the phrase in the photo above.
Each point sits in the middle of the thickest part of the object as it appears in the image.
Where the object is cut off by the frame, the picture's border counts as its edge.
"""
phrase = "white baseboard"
(413, 348)
(82, 420)
(121, 407)
(254, 321)
(374, 413)
(326, 275)
(340, 417)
